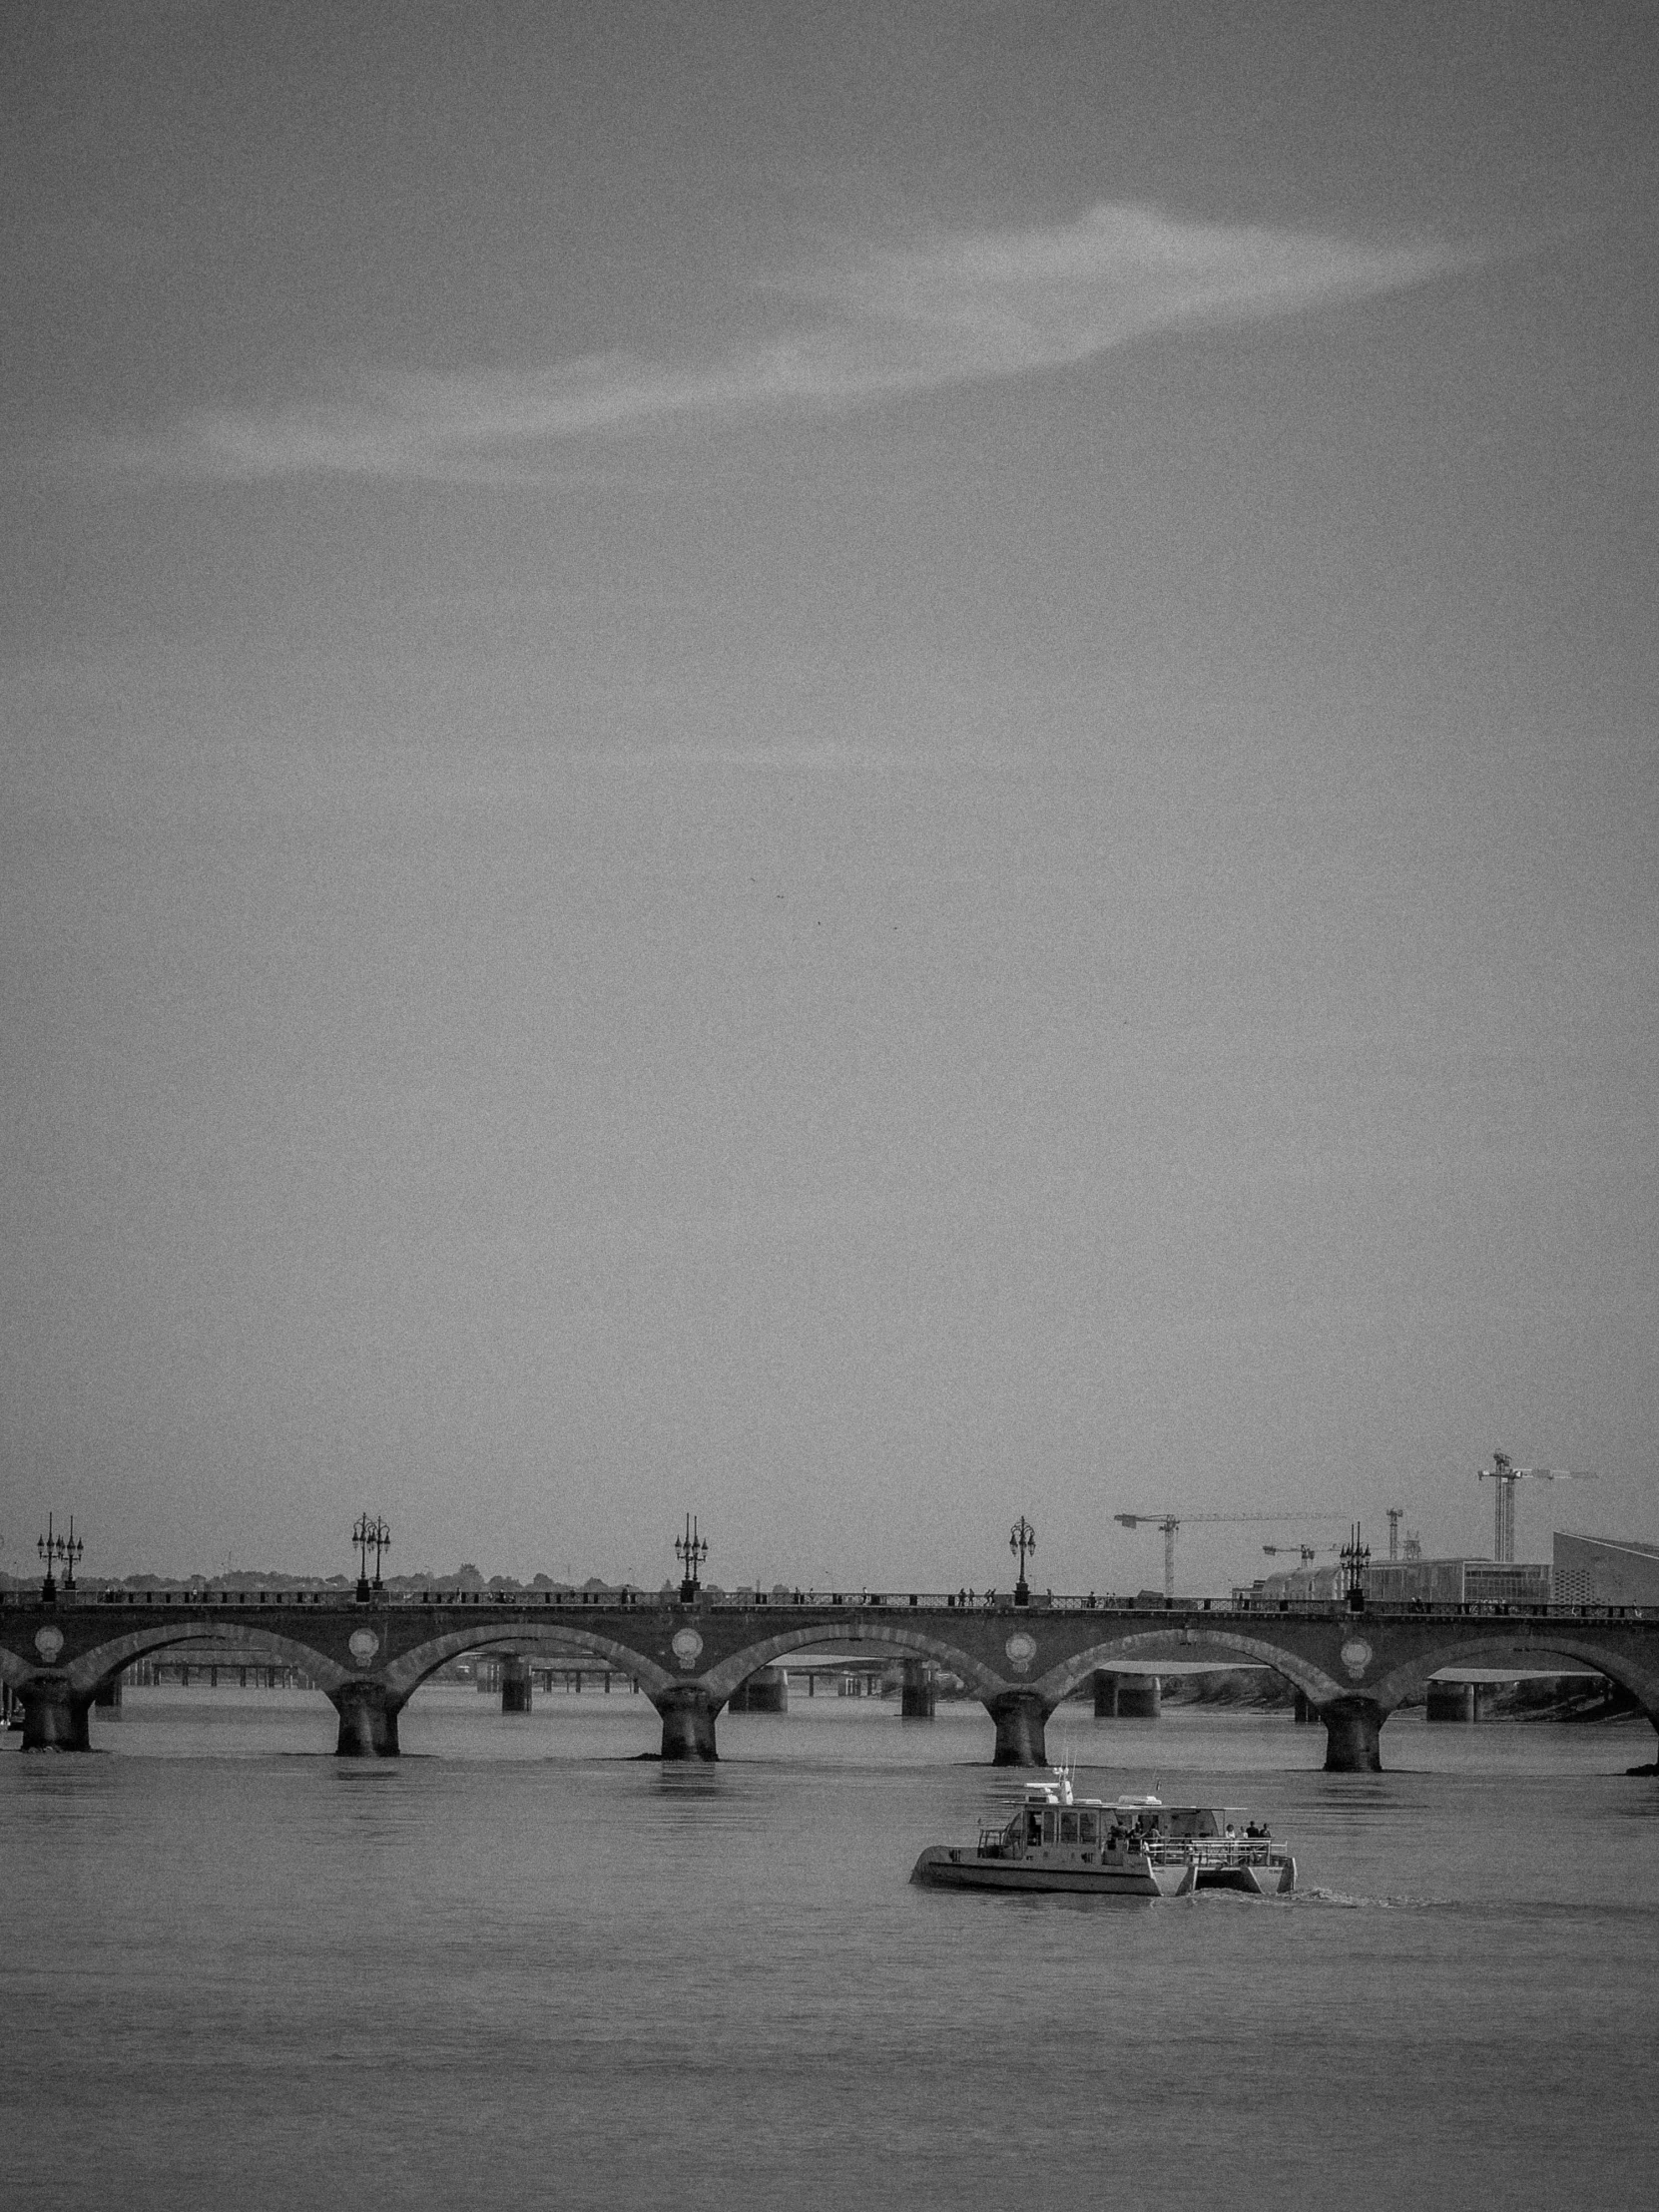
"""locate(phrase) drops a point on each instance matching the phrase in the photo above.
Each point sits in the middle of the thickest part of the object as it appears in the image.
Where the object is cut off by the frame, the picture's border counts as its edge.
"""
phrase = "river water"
(521, 1967)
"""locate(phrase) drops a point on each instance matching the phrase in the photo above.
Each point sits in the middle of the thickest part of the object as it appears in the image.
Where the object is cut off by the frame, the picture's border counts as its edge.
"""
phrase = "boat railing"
(1210, 1850)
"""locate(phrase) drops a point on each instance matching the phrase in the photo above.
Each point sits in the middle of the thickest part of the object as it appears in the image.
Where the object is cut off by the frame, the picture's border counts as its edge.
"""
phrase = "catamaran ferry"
(1136, 1847)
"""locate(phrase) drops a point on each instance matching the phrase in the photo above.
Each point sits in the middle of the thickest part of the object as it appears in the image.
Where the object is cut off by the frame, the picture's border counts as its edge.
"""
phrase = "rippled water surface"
(523, 1967)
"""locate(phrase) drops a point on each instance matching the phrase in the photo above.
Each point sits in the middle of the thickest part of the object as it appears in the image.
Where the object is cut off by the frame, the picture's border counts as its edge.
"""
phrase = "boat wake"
(1344, 1902)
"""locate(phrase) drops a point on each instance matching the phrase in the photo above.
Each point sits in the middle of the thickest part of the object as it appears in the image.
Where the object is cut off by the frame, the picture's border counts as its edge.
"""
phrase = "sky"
(856, 767)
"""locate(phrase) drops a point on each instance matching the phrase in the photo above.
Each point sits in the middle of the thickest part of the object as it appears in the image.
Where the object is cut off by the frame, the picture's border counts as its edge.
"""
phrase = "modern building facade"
(1605, 1570)
(1457, 1583)
(1418, 1582)
(1299, 1584)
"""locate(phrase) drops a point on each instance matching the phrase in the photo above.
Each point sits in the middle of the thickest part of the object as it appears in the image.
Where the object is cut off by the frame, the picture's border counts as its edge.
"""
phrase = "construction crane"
(1504, 1472)
(1308, 1554)
(1170, 1522)
(1396, 1513)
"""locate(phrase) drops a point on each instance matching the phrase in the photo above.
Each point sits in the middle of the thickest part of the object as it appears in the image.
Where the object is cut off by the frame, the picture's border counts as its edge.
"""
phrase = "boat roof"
(1050, 1792)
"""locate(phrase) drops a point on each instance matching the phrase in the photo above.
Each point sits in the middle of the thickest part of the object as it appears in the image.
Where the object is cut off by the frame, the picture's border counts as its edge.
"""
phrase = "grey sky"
(854, 767)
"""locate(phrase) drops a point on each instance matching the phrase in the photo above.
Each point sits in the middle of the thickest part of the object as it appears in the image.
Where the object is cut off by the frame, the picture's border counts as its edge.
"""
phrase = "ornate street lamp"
(690, 1550)
(1356, 1558)
(58, 1551)
(1022, 1539)
(50, 1548)
(370, 1535)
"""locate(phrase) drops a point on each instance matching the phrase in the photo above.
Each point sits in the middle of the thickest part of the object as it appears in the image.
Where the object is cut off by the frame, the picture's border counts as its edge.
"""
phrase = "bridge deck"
(1353, 1666)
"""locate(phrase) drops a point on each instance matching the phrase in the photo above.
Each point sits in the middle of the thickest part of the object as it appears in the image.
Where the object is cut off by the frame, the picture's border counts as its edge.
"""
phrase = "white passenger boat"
(1134, 1846)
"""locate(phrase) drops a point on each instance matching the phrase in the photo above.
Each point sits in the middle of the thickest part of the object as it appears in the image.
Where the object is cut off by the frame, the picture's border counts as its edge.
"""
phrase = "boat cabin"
(1051, 1821)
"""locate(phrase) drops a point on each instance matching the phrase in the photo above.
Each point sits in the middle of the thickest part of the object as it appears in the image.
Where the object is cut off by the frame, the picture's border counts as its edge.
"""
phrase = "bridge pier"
(1353, 1733)
(1020, 1717)
(54, 1715)
(767, 1691)
(1127, 1697)
(688, 1723)
(367, 1721)
(1458, 1701)
(515, 1686)
(918, 1694)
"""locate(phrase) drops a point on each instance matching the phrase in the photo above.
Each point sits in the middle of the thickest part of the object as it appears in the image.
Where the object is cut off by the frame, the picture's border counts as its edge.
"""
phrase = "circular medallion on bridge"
(1021, 1650)
(686, 1646)
(1355, 1656)
(48, 1642)
(364, 1646)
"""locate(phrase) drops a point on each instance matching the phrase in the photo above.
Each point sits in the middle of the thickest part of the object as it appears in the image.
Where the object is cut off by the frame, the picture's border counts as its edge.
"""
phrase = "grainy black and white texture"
(856, 765)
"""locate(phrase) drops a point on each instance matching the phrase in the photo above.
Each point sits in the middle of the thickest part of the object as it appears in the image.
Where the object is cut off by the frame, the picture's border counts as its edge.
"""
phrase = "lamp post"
(370, 1535)
(1356, 1558)
(690, 1550)
(58, 1551)
(50, 1548)
(1022, 1541)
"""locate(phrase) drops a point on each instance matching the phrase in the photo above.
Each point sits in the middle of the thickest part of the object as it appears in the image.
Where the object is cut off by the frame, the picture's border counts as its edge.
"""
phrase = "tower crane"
(1504, 1472)
(1170, 1522)
(1306, 1552)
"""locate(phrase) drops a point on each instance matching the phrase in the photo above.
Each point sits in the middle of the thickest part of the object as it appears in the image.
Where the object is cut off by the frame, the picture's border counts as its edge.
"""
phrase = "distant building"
(1605, 1570)
(1415, 1581)
(1457, 1582)
(1299, 1583)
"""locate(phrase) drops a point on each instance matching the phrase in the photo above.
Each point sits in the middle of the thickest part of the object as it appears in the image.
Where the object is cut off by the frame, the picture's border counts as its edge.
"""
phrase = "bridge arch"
(90, 1670)
(916, 1643)
(404, 1675)
(1153, 1644)
(1524, 1646)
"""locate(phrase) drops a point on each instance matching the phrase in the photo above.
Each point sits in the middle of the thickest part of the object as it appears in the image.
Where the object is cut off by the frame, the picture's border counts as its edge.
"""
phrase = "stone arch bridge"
(1020, 1662)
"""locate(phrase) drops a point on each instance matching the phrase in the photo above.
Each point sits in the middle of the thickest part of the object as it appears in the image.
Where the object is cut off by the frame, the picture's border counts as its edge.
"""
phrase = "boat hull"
(942, 1867)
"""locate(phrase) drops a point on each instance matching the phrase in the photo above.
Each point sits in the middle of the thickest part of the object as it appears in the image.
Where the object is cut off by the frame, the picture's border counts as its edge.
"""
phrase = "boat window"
(1033, 1828)
(1088, 1828)
(1050, 1821)
(1068, 1828)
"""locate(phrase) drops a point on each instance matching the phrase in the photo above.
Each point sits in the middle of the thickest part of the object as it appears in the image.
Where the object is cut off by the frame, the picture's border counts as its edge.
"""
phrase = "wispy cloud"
(955, 307)
(801, 760)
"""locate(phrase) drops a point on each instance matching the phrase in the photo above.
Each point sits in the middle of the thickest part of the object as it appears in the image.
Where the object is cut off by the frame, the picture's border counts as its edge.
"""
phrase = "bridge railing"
(786, 1601)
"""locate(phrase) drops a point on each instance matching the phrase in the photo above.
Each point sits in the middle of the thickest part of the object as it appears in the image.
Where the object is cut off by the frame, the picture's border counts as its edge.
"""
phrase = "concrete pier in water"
(54, 1715)
(367, 1721)
(918, 1693)
(1352, 1736)
(688, 1717)
(1127, 1697)
(1021, 1718)
(764, 1692)
(517, 1693)
(1459, 1700)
